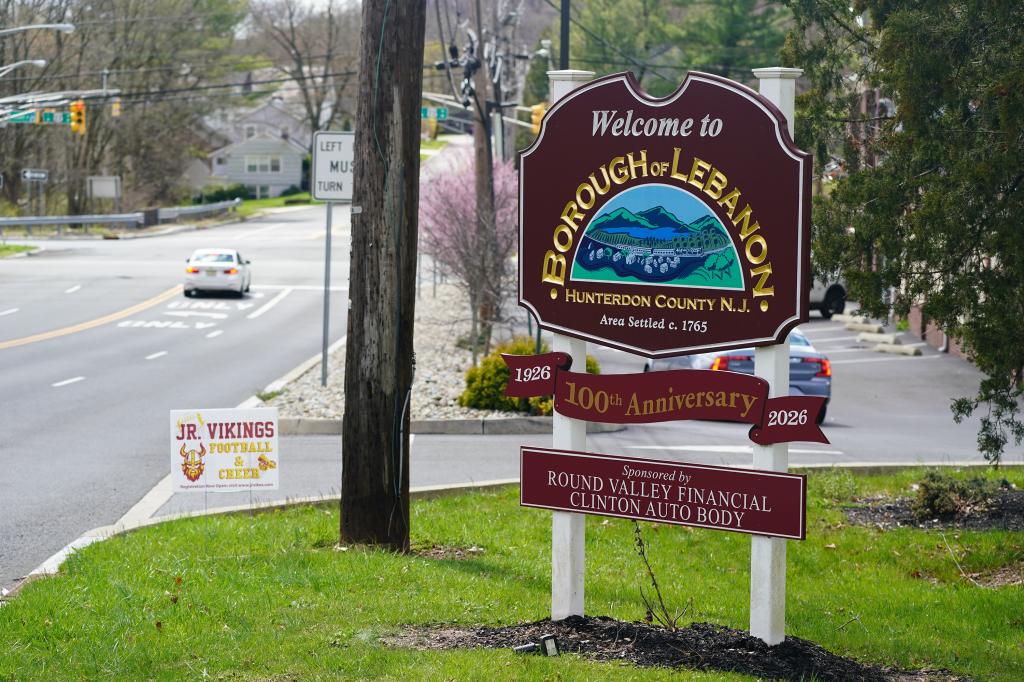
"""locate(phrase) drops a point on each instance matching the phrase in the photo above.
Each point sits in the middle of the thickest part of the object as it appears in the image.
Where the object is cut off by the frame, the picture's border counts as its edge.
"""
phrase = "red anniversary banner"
(666, 396)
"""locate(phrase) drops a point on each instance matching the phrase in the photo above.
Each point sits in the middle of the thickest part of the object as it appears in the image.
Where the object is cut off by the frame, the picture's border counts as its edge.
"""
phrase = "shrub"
(291, 191)
(485, 383)
(212, 195)
(942, 496)
(836, 484)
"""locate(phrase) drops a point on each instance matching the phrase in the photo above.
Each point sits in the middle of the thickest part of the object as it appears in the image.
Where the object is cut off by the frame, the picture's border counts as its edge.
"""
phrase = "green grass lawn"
(269, 597)
(11, 249)
(251, 206)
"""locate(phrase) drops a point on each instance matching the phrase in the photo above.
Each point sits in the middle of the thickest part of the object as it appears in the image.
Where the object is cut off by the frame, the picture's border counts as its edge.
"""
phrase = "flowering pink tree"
(476, 252)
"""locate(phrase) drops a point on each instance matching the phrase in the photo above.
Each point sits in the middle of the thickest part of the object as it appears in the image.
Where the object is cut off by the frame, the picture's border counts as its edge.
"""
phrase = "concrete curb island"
(484, 426)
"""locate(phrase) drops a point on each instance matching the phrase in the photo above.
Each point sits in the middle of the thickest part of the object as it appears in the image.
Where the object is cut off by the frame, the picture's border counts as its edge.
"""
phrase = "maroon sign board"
(665, 226)
(722, 498)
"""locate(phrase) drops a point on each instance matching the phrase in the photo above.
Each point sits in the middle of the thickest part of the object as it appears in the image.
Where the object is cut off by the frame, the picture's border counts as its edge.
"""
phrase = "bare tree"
(318, 46)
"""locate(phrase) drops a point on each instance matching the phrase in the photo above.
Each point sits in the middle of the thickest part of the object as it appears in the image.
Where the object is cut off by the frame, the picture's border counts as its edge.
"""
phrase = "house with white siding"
(266, 164)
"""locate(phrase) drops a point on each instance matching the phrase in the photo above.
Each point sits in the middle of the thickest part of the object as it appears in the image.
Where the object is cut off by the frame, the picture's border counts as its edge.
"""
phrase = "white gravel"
(440, 366)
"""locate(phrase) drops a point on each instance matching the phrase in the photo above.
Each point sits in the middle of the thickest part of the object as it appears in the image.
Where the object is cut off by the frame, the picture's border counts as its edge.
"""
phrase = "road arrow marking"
(215, 334)
(205, 325)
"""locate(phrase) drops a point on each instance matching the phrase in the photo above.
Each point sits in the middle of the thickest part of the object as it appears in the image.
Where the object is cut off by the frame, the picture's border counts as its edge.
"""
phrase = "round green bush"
(485, 383)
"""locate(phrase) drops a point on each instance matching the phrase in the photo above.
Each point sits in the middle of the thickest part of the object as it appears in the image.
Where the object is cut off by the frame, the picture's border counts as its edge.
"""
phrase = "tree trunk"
(378, 359)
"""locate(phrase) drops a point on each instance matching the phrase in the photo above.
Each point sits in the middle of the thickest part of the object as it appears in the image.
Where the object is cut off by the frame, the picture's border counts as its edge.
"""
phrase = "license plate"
(211, 273)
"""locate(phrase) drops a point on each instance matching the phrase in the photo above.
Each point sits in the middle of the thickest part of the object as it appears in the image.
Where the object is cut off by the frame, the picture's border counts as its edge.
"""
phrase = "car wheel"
(834, 303)
(189, 293)
(821, 415)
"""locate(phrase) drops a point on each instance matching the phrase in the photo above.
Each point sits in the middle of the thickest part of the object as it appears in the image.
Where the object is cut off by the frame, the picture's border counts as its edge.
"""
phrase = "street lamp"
(63, 28)
(4, 70)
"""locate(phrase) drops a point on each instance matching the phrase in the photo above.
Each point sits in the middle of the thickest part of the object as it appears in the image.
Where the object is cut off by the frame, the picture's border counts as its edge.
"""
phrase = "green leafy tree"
(731, 38)
(930, 208)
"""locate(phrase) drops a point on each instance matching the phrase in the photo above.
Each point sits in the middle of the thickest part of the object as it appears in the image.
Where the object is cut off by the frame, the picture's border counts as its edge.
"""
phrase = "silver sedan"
(217, 270)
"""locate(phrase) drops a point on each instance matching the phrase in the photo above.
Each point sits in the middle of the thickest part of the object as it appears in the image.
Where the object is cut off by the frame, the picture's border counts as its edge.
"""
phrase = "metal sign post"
(333, 157)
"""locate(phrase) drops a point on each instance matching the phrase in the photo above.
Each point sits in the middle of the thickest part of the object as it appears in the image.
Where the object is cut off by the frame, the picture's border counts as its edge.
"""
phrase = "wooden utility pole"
(378, 356)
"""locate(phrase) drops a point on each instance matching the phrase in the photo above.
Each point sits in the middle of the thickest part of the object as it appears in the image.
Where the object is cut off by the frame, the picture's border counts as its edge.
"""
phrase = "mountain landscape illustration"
(656, 246)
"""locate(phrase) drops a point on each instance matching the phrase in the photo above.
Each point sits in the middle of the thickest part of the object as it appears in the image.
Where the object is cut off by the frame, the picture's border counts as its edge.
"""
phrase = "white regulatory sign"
(333, 154)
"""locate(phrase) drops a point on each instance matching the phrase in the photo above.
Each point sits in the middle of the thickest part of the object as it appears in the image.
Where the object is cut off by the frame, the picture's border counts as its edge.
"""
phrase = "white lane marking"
(192, 313)
(73, 289)
(886, 359)
(68, 381)
(156, 355)
(9, 311)
(295, 287)
(215, 334)
(815, 342)
(726, 449)
(825, 332)
(269, 304)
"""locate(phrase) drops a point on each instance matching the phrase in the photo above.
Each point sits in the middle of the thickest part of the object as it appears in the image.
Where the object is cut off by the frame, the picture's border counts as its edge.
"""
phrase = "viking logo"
(192, 462)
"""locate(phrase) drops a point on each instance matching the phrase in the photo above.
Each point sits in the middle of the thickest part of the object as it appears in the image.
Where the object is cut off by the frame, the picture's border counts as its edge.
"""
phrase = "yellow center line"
(74, 329)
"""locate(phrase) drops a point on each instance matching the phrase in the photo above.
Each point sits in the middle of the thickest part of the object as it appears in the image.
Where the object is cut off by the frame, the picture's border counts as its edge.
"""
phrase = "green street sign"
(23, 117)
(440, 113)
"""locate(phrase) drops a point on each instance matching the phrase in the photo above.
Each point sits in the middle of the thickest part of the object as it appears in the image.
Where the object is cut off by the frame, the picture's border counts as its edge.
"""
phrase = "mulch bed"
(701, 646)
(1004, 511)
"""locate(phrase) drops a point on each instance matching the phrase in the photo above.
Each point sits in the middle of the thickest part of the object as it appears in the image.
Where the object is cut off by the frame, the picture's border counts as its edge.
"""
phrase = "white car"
(828, 297)
(217, 270)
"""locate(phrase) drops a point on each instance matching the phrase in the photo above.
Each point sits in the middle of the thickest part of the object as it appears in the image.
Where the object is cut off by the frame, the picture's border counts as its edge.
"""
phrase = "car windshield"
(213, 258)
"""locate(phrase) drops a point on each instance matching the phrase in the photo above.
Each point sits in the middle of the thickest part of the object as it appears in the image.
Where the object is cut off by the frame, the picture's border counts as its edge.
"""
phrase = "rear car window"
(213, 258)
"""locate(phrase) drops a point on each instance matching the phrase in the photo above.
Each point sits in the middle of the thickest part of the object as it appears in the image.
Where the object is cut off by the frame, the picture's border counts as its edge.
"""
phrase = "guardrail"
(175, 212)
(28, 222)
(130, 219)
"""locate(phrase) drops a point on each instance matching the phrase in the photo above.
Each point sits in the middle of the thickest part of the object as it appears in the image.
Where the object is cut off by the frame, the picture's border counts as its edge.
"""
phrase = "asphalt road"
(84, 418)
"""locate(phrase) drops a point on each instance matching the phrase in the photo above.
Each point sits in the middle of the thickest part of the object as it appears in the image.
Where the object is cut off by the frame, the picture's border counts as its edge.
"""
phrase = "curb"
(898, 349)
(484, 426)
(849, 317)
(874, 337)
(870, 327)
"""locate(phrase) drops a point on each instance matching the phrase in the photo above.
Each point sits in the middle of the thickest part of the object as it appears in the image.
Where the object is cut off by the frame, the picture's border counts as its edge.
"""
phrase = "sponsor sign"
(665, 226)
(224, 450)
(666, 396)
(104, 186)
(333, 165)
(745, 501)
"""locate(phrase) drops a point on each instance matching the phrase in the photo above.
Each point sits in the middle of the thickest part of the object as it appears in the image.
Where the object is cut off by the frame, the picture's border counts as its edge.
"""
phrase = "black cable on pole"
(563, 61)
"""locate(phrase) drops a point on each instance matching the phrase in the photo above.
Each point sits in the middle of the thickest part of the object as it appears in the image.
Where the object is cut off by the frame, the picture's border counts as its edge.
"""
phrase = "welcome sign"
(665, 227)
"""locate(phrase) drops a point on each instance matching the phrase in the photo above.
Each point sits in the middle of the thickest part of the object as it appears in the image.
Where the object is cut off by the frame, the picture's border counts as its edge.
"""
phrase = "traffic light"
(77, 109)
(115, 107)
(536, 115)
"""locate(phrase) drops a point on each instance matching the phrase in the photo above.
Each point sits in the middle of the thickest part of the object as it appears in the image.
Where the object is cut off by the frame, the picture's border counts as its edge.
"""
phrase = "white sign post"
(224, 450)
(333, 174)
(768, 554)
(568, 529)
